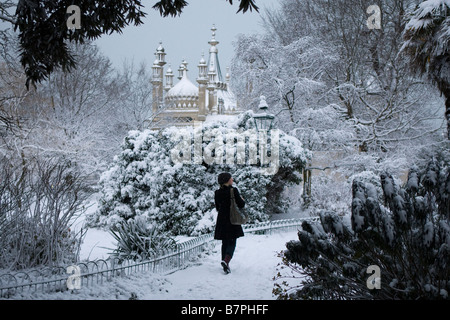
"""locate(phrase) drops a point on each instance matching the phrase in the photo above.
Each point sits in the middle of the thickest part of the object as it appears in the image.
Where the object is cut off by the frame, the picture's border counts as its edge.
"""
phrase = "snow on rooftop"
(183, 88)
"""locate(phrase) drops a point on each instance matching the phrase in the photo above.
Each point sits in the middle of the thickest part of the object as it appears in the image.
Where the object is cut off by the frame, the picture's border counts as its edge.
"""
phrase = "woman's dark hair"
(223, 177)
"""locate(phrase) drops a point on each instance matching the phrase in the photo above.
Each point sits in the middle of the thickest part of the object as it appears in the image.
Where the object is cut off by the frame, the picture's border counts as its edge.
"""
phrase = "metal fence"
(54, 279)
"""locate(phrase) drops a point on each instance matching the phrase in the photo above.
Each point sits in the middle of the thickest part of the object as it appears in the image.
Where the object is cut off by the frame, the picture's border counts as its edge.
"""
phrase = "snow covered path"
(252, 268)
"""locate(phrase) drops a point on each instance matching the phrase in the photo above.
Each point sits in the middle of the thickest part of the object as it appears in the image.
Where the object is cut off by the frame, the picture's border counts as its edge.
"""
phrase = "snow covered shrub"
(369, 177)
(138, 240)
(407, 236)
(178, 196)
(38, 200)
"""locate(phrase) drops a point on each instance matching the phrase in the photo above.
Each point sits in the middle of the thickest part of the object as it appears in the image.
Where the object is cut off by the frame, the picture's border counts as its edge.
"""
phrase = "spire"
(182, 70)
(202, 60)
(213, 41)
(184, 63)
(213, 61)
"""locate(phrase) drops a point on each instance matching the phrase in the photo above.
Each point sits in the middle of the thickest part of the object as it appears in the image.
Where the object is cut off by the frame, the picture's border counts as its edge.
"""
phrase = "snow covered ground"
(252, 269)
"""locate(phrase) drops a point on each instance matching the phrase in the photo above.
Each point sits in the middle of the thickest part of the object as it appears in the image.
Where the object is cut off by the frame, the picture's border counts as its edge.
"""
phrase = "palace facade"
(183, 103)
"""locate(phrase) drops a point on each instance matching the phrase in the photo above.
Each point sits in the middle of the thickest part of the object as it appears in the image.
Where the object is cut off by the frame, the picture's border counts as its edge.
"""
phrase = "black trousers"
(228, 246)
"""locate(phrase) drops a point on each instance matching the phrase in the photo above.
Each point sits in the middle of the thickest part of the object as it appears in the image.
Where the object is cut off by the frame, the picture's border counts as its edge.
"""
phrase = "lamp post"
(263, 123)
(263, 119)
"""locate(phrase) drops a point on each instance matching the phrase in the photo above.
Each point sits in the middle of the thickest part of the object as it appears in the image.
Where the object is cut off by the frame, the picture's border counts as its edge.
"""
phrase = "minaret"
(157, 78)
(214, 71)
(202, 81)
(213, 53)
(169, 79)
(212, 91)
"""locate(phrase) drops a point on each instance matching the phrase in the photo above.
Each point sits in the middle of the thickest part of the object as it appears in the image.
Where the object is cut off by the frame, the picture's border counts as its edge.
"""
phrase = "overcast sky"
(184, 36)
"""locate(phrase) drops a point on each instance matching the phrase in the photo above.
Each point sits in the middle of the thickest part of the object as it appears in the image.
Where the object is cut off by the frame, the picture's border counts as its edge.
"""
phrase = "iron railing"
(54, 279)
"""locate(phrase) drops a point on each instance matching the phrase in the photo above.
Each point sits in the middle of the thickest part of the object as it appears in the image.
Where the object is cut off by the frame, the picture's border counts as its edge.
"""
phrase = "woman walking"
(226, 231)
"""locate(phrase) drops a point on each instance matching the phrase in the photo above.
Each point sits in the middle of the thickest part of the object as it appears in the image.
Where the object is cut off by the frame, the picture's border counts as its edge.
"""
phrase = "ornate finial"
(213, 40)
(160, 48)
(169, 69)
(202, 60)
(184, 63)
(181, 71)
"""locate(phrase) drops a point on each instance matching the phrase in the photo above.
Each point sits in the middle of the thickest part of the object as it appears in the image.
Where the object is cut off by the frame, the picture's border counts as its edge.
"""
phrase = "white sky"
(184, 36)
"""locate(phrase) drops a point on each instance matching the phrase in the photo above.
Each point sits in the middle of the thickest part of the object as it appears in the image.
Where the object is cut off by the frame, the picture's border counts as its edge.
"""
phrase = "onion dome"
(184, 88)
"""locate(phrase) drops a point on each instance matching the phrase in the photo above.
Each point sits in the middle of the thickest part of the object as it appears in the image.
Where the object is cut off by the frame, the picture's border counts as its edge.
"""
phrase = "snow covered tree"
(427, 41)
(288, 74)
(76, 116)
(341, 88)
(78, 112)
(318, 54)
(135, 106)
(144, 180)
(406, 236)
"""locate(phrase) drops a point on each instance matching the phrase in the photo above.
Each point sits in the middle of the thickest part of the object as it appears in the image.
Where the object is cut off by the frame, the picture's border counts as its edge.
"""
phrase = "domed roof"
(160, 48)
(202, 60)
(184, 88)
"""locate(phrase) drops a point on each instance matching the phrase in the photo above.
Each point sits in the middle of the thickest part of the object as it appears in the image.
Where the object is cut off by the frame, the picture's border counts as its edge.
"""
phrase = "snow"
(429, 6)
(228, 119)
(388, 188)
(184, 88)
(252, 270)
(97, 244)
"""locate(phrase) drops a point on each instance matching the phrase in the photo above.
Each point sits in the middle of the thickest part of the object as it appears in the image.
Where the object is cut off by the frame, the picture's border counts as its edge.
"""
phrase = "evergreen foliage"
(407, 236)
(138, 241)
(178, 198)
(427, 43)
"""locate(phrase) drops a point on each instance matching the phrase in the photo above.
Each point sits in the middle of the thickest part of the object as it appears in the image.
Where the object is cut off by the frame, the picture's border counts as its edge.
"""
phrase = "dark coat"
(224, 228)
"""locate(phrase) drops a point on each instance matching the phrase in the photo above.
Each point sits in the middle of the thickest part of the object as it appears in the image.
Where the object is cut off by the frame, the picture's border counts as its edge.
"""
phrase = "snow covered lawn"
(252, 269)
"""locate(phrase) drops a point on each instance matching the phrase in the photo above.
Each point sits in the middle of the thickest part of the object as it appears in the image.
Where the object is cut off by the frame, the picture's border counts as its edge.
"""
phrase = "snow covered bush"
(178, 197)
(39, 200)
(331, 191)
(407, 236)
(138, 240)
